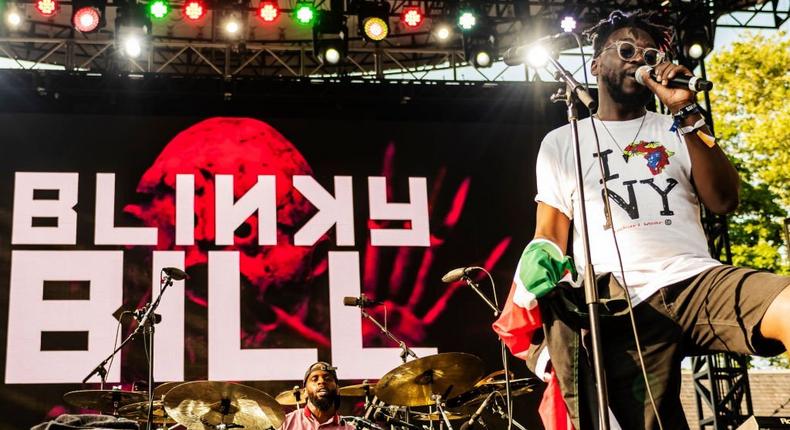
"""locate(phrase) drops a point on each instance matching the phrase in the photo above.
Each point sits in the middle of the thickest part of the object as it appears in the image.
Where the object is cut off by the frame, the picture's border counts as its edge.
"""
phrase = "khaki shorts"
(718, 310)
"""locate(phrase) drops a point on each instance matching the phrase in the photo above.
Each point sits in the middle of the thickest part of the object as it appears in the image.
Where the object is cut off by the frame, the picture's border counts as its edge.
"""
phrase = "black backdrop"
(449, 133)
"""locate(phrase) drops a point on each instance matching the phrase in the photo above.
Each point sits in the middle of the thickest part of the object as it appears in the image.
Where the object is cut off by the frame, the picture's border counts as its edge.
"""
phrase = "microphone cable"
(610, 223)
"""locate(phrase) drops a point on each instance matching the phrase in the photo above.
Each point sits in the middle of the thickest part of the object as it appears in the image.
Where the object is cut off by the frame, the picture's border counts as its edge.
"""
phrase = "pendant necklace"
(622, 151)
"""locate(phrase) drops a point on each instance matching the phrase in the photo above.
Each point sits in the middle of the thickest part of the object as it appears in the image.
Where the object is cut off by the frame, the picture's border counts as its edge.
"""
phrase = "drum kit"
(425, 393)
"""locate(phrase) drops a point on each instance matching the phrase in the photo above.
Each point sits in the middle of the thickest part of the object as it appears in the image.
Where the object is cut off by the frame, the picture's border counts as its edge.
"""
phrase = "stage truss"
(285, 50)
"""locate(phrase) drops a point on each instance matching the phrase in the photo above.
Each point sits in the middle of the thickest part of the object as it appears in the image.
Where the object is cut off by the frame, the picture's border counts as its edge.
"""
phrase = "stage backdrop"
(278, 200)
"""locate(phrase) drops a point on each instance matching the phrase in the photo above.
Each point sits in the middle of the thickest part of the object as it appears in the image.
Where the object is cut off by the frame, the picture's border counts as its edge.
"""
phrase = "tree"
(751, 114)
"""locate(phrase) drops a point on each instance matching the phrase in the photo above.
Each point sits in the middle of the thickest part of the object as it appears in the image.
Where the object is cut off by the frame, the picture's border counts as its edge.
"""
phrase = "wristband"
(691, 128)
(683, 112)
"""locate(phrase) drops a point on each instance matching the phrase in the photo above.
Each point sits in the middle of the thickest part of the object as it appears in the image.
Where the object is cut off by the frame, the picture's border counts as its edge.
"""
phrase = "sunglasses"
(627, 51)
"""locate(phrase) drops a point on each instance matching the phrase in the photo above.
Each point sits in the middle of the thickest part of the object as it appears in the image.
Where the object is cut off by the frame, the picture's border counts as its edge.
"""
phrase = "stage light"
(696, 43)
(13, 18)
(480, 45)
(412, 16)
(305, 13)
(132, 46)
(132, 27)
(467, 20)
(330, 38)
(373, 19)
(537, 57)
(482, 59)
(158, 8)
(695, 37)
(268, 11)
(568, 24)
(231, 25)
(194, 10)
(87, 16)
(47, 8)
(443, 32)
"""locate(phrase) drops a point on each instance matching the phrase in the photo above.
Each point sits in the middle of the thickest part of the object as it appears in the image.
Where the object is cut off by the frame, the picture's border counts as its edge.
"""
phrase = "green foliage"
(751, 114)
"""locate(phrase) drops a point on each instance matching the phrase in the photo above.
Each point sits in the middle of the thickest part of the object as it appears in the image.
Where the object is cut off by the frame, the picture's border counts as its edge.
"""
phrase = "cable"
(115, 342)
(610, 223)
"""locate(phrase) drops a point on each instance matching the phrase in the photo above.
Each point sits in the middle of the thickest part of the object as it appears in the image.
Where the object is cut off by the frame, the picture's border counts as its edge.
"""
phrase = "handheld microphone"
(555, 42)
(361, 301)
(175, 274)
(456, 274)
(692, 83)
(466, 425)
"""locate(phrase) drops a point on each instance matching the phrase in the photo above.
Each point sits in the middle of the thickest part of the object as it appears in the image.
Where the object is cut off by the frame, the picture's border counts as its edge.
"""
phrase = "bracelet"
(691, 128)
(685, 111)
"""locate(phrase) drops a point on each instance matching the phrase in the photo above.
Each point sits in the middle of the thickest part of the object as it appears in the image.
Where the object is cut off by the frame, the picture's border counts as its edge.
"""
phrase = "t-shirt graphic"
(655, 153)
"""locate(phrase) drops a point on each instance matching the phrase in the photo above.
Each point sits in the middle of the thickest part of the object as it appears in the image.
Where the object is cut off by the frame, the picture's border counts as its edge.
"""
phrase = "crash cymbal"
(358, 390)
(289, 397)
(477, 394)
(202, 405)
(414, 383)
(103, 400)
(139, 412)
(163, 388)
(499, 375)
(435, 416)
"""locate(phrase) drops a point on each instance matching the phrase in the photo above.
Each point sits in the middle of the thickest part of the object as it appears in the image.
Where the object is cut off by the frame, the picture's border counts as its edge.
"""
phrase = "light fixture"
(412, 16)
(268, 11)
(194, 10)
(231, 25)
(158, 8)
(47, 8)
(568, 24)
(132, 28)
(443, 31)
(467, 20)
(13, 18)
(695, 37)
(330, 38)
(372, 18)
(304, 13)
(87, 16)
(480, 45)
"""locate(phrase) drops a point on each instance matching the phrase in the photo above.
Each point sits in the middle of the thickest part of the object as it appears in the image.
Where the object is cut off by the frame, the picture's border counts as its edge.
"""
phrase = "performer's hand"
(541, 267)
(673, 98)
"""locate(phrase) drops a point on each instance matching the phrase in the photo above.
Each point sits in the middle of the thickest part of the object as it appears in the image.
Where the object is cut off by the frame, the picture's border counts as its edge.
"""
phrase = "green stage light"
(305, 13)
(467, 20)
(158, 9)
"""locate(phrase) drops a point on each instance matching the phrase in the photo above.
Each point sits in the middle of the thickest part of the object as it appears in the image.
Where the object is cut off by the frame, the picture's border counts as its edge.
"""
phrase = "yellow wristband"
(709, 140)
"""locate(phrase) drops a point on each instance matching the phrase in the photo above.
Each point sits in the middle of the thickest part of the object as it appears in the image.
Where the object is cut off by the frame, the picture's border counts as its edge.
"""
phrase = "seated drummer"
(320, 383)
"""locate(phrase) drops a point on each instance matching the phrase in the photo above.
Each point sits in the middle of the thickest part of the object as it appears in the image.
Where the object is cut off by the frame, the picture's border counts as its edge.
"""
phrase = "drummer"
(320, 383)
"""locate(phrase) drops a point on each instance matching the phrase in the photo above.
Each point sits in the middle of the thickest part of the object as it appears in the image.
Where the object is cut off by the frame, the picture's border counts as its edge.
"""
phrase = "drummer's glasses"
(627, 51)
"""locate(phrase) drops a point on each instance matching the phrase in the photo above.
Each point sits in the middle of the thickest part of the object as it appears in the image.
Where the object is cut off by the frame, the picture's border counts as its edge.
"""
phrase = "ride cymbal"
(203, 405)
(292, 397)
(417, 382)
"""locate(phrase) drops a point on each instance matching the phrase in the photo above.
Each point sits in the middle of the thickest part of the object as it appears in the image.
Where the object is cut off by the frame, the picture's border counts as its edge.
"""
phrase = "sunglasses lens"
(651, 57)
(627, 51)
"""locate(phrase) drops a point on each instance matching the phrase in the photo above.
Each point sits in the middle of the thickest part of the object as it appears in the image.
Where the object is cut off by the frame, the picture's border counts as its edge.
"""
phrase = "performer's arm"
(714, 176)
(553, 225)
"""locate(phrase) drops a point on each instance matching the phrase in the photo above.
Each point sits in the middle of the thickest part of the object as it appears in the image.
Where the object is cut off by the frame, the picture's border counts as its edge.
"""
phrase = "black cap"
(321, 365)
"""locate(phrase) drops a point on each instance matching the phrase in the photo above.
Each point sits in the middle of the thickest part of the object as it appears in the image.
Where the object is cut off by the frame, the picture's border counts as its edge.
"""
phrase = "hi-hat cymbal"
(477, 394)
(289, 397)
(139, 412)
(435, 416)
(163, 388)
(202, 405)
(415, 383)
(103, 400)
(358, 390)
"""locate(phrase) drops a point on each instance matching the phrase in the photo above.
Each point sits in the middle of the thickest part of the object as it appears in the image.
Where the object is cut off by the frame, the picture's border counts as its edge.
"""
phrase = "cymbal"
(288, 397)
(163, 388)
(435, 416)
(202, 405)
(477, 394)
(414, 383)
(103, 400)
(358, 390)
(139, 412)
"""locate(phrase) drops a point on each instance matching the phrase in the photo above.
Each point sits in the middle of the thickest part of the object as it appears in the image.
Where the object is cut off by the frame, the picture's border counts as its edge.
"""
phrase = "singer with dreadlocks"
(655, 170)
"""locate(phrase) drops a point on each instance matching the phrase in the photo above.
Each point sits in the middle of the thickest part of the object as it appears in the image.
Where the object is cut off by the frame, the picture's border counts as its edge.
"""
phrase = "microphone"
(555, 42)
(456, 274)
(361, 301)
(478, 412)
(175, 273)
(692, 83)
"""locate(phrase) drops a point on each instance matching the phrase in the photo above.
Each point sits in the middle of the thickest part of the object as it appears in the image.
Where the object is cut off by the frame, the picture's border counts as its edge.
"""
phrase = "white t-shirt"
(655, 210)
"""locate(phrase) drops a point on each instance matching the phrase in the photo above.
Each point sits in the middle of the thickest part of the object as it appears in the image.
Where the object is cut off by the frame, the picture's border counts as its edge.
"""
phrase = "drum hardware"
(139, 412)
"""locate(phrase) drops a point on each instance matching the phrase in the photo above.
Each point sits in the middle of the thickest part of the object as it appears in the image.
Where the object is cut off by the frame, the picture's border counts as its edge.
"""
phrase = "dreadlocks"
(599, 33)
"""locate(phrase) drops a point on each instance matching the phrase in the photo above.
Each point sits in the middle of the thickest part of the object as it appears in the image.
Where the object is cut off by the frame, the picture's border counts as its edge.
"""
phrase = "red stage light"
(86, 19)
(412, 16)
(47, 7)
(268, 11)
(194, 10)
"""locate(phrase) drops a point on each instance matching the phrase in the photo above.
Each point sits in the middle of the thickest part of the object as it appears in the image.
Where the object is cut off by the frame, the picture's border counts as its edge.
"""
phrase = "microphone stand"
(573, 92)
(145, 325)
(405, 350)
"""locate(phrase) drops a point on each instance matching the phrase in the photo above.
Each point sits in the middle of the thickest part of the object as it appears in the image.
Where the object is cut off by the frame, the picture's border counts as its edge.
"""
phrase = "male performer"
(657, 169)
(320, 383)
